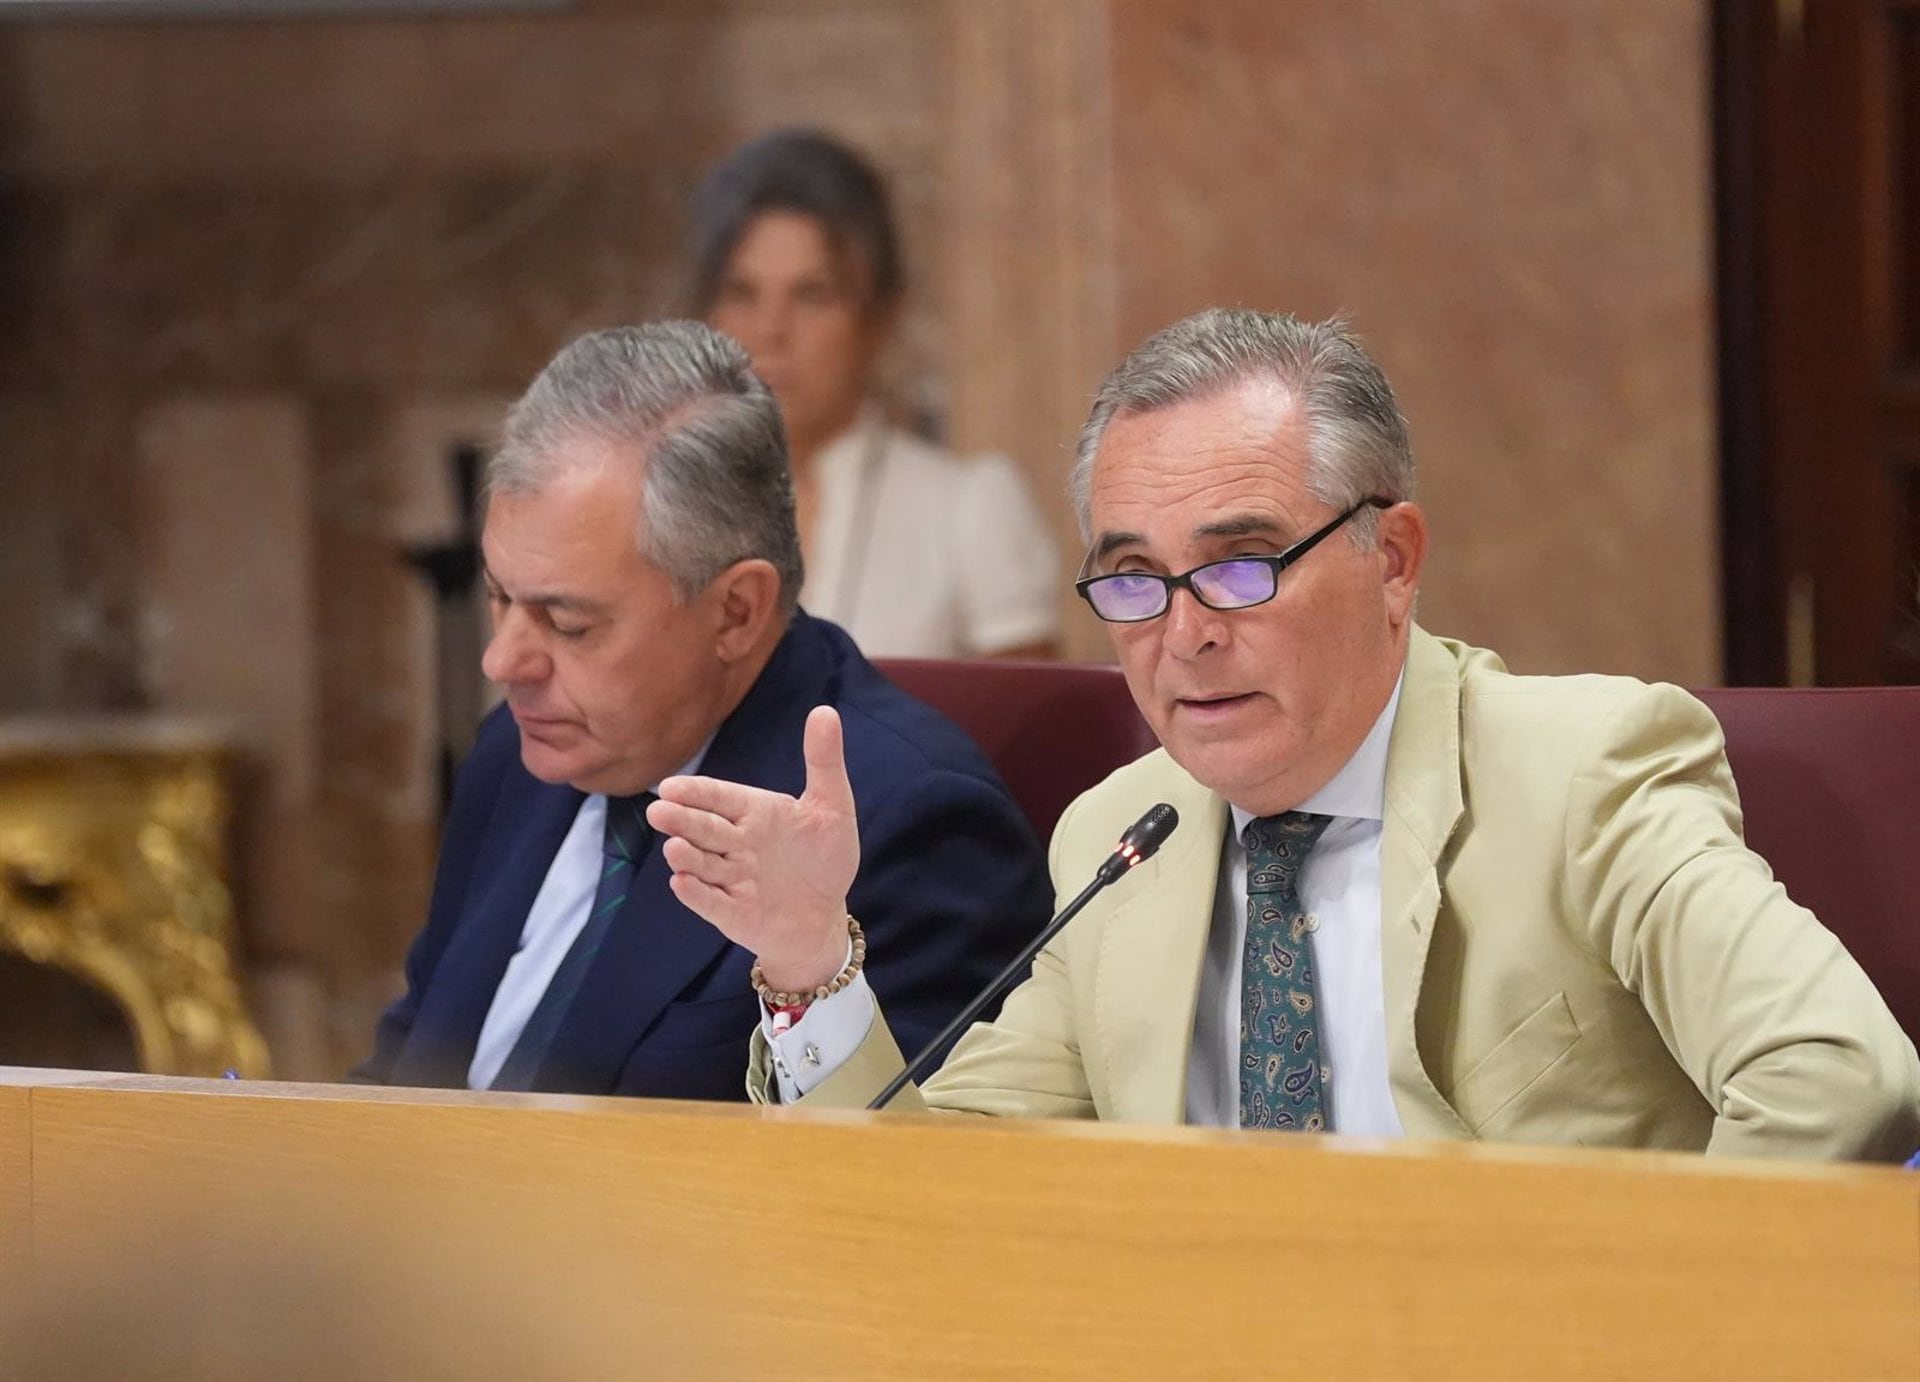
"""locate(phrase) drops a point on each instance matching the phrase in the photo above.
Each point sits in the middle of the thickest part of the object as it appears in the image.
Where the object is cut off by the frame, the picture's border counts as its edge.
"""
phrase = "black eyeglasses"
(1132, 597)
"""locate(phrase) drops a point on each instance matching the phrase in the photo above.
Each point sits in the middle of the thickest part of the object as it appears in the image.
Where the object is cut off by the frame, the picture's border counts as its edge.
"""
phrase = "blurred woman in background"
(916, 552)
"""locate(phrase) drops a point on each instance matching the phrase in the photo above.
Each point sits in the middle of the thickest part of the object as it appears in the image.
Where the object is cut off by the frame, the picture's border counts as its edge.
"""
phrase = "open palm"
(770, 871)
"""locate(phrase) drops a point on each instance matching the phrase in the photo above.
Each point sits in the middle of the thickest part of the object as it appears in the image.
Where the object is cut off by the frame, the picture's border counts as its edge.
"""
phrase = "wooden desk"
(457, 1235)
(16, 1196)
(16, 1218)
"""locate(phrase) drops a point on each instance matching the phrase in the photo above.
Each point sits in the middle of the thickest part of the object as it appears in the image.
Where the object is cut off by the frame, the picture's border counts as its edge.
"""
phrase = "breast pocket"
(1518, 1060)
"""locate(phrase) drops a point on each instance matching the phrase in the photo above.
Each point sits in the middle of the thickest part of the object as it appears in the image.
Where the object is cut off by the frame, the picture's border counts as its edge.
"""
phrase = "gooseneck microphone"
(1143, 838)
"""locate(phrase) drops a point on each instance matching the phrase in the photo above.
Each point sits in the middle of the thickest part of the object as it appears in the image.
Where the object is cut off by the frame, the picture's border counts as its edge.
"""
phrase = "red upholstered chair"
(1830, 787)
(1053, 729)
(1829, 783)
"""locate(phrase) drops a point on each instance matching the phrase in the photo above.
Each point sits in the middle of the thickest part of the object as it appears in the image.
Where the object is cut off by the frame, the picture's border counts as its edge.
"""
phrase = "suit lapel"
(1151, 952)
(656, 949)
(1423, 805)
(530, 819)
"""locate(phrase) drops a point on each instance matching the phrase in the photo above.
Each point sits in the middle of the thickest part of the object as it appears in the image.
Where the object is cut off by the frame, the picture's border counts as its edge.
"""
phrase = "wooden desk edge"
(86, 1084)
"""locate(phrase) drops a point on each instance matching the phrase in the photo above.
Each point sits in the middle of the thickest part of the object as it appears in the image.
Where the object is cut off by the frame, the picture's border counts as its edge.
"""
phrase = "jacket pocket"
(1519, 1058)
(704, 1022)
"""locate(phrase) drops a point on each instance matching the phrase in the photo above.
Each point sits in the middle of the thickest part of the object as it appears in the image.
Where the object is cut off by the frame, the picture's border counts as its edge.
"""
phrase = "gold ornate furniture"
(113, 870)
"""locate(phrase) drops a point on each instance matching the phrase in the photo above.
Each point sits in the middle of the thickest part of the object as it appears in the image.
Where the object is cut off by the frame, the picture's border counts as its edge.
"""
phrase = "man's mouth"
(1209, 703)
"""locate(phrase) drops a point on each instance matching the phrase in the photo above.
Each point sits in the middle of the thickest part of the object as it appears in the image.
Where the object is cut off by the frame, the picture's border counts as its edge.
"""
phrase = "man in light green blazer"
(1411, 893)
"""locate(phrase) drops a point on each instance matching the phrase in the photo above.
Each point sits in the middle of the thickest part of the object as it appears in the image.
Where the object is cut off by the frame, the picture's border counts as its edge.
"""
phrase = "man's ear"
(1402, 546)
(745, 600)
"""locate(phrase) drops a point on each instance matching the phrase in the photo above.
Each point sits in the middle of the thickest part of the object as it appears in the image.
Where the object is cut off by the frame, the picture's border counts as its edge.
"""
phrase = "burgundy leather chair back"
(1830, 786)
(1052, 729)
(1829, 783)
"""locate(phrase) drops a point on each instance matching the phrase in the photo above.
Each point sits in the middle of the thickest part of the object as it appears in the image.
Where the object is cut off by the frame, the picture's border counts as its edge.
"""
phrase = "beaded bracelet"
(776, 998)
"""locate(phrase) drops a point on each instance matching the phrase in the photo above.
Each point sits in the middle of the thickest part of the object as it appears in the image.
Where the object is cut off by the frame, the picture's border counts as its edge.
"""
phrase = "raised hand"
(769, 870)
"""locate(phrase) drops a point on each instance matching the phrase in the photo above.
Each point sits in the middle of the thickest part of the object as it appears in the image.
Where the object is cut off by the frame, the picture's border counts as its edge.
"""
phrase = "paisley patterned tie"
(1280, 1084)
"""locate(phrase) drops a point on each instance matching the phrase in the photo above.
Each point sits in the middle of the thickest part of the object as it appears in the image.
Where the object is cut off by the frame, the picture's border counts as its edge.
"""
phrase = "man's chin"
(1220, 765)
(545, 764)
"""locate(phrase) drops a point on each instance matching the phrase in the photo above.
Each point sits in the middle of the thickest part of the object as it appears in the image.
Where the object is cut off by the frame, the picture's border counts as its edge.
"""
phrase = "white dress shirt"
(1339, 887)
(559, 912)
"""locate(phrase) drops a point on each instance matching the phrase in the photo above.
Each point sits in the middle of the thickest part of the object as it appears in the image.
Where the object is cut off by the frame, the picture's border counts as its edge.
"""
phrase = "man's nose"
(513, 657)
(1189, 628)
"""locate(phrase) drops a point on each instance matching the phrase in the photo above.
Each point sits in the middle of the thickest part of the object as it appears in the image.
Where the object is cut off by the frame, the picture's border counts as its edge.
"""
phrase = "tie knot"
(1277, 846)
(627, 829)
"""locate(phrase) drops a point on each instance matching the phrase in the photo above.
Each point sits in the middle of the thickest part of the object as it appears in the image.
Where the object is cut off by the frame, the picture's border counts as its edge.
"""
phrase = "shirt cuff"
(823, 1040)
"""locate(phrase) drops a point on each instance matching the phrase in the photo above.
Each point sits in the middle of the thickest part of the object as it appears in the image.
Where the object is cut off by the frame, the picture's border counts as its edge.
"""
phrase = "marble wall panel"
(354, 100)
(226, 563)
(227, 571)
(348, 99)
(227, 579)
(1511, 200)
(70, 626)
(1027, 277)
(35, 606)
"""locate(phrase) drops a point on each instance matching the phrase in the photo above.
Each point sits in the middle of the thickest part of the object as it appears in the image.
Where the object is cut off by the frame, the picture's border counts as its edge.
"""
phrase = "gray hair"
(1357, 445)
(716, 487)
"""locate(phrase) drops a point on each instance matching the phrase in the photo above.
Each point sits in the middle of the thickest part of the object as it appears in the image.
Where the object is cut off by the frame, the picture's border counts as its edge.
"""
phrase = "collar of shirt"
(849, 449)
(1359, 790)
(597, 800)
(691, 766)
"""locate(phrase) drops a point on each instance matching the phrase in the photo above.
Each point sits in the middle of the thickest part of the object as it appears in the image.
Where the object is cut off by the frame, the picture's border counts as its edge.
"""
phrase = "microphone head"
(1145, 836)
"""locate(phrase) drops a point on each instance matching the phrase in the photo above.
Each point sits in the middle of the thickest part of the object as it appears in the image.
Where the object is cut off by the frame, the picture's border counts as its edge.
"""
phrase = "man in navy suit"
(642, 566)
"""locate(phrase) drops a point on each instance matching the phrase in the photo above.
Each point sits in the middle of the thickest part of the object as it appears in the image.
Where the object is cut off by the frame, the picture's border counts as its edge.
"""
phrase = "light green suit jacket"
(1576, 945)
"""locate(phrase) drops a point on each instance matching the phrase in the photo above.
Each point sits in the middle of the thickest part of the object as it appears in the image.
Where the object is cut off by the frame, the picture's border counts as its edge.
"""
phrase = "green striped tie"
(621, 848)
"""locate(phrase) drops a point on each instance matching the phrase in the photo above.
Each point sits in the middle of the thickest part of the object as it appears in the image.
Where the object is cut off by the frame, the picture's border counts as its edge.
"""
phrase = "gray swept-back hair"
(715, 487)
(1357, 445)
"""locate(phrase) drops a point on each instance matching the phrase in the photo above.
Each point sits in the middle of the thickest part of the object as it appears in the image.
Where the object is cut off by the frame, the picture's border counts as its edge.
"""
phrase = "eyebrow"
(573, 604)
(1240, 525)
(1113, 542)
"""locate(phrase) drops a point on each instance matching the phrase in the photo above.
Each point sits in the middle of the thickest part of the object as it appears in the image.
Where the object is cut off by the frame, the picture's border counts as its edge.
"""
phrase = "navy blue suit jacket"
(952, 882)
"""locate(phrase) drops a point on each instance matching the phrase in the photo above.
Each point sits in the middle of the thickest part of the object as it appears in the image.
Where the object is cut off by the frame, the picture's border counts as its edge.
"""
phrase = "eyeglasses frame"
(1278, 562)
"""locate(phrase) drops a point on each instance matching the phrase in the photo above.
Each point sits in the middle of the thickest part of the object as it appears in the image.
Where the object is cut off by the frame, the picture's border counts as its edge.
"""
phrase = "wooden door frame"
(1752, 584)
(1802, 181)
